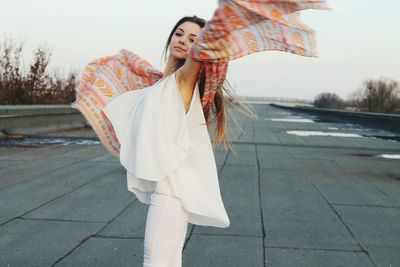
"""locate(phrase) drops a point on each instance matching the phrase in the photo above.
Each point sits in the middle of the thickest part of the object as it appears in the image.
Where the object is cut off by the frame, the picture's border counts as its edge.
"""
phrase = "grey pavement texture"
(292, 200)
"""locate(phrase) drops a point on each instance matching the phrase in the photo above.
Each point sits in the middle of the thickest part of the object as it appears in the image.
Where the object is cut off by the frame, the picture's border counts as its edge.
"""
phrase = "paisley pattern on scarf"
(237, 28)
(105, 78)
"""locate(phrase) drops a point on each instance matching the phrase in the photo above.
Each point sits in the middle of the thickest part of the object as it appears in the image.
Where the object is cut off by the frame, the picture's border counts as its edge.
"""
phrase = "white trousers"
(166, 227)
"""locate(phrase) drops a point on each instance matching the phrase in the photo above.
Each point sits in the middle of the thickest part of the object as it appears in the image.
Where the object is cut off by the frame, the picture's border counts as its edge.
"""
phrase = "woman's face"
(183, 38)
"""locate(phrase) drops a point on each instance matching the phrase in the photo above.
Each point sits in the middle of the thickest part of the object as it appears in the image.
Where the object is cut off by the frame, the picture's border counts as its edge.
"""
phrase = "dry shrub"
(329, 100)
(34, 85)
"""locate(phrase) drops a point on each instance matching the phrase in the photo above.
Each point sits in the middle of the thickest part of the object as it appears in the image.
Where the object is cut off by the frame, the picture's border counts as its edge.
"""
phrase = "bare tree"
(37, 78)
(382, 95)
(11, 76)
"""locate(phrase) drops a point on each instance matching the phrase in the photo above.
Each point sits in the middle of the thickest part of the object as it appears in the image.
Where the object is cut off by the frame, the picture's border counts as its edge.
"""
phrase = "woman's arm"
(187, 77)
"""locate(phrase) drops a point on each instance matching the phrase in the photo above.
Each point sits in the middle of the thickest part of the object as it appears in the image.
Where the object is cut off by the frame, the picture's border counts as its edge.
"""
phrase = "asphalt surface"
(292, 200)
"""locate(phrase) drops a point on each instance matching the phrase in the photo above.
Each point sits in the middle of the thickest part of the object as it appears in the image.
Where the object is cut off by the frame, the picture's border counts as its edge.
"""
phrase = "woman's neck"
(170, 67)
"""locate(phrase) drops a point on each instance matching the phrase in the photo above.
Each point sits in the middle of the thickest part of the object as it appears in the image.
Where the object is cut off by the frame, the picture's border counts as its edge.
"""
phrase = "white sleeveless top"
(167, 151)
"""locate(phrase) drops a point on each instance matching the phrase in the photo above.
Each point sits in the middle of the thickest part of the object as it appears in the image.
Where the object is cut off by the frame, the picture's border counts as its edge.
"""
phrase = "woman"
(162, 130)
(166, 149)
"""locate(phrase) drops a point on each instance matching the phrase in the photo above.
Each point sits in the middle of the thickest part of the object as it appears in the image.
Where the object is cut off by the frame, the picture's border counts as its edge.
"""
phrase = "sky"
(357, 40)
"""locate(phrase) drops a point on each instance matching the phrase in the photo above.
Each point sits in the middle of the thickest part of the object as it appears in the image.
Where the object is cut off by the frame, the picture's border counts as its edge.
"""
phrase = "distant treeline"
(35, 85)
(380, 95)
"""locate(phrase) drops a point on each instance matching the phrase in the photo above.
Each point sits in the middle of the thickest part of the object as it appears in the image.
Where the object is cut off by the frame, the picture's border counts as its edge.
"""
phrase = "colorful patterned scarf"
(105, 78)
(237, 28)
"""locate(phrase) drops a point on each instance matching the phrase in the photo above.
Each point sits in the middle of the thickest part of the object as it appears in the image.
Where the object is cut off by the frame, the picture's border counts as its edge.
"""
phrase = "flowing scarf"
(236, 29)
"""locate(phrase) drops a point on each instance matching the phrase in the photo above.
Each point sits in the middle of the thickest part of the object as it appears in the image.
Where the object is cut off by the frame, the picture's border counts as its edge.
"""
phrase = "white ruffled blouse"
(168, 151)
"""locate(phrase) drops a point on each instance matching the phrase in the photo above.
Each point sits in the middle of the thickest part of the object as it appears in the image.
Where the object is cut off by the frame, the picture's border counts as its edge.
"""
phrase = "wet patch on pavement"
(33, 141)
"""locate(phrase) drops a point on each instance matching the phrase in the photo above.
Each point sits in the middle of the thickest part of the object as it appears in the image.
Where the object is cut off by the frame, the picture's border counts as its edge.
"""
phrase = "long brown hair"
(221, 106)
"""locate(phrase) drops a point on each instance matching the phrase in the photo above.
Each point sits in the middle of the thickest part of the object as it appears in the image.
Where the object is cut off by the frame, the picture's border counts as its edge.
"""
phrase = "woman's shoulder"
(161, 83)
(164, 82)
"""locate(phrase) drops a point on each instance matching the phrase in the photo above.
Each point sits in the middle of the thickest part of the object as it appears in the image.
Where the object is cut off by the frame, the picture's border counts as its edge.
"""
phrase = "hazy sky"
(356, 40)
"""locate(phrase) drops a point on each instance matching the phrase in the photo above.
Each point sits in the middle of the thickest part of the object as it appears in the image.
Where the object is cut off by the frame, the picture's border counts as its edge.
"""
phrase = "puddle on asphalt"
(290, 120)
(20, 140)
(392, 138)
(386, 156)
(319, 119)
(282, 113)
(320, 133)
(362, 131)
(387, 137)
(293, 118)
(389, 156)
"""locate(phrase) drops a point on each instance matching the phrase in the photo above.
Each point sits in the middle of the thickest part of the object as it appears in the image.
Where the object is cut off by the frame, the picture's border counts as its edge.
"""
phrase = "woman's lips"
(180, 49)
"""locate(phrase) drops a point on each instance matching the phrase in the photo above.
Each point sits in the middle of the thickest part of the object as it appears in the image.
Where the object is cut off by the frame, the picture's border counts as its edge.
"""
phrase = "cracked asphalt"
(292, 200)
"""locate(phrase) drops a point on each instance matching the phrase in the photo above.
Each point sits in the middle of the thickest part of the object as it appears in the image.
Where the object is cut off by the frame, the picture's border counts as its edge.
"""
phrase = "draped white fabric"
(167, 150)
